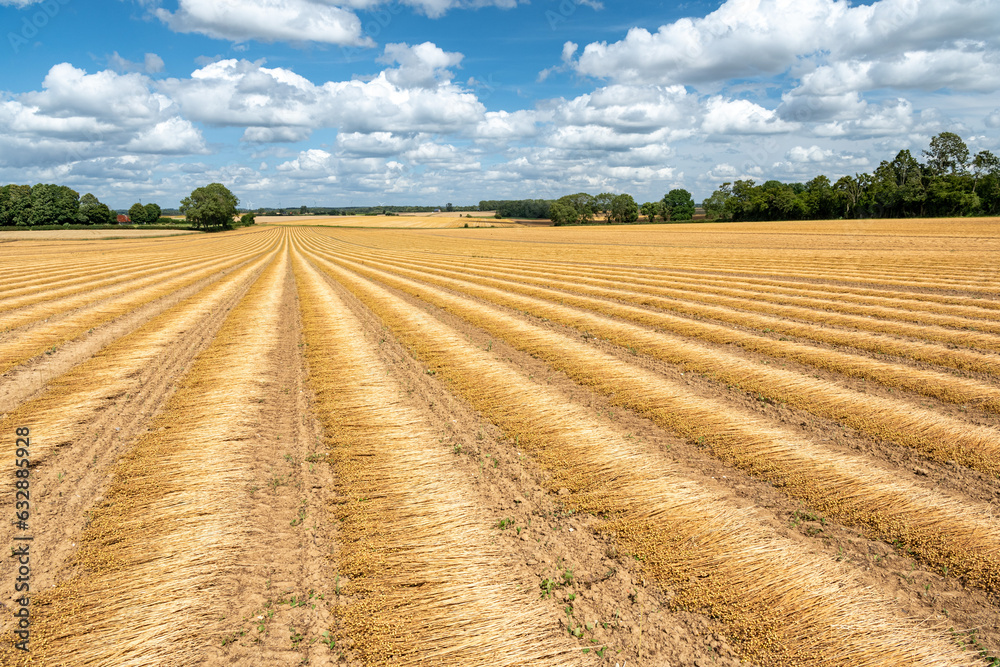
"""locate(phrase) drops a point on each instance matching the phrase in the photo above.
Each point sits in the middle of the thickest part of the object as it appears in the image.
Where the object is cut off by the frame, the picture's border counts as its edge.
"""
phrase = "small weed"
(503, 524)
(328, 639)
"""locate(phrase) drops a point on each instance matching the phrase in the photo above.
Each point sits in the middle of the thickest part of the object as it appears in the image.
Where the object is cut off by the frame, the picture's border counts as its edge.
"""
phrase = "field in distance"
(402, 221)
(81, 234)
(727, 444)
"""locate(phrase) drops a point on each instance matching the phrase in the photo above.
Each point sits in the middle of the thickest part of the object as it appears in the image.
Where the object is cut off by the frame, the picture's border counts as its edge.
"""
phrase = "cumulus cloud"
(151, 64)
(729, 117)
(266, 21)
(422, 66)
(295, 21)
(749, 38)
(993, 120)
(79, 116)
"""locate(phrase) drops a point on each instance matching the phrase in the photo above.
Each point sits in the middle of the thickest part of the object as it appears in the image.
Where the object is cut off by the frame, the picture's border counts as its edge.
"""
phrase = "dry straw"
(425, 587)
(937, 436)
(783, 605)
(864, 340)
(943, 386)
(162, 547)
(956, 537)
(74, 399)
(29, 342)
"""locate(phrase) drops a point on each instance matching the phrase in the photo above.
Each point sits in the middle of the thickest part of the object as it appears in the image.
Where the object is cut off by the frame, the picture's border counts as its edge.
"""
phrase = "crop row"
(422, 586)
(153, 560)
(956, 538)
(783, 604)
(935, 435)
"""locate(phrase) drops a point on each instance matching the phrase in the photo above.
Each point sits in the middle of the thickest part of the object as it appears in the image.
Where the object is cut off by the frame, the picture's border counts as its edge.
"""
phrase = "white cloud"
(728, 117)
(152, 64)
(750, 38)
(266, 21)
(79, 116)
(422, 66)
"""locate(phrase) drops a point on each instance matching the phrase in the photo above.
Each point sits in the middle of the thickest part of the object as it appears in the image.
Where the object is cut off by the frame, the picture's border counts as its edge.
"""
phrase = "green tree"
(650, 210)
(211, 205)
(15, 205)
(582, 203)
(717, 205)
(948, 154)
(983, 164)
(602, 203)
(562, 213)
(678, 205)
(248, 219)
(53, 205)
(624, 209)
(93, 212)
(137, 213)
(820, 199)
(449, 207)
(152, 213)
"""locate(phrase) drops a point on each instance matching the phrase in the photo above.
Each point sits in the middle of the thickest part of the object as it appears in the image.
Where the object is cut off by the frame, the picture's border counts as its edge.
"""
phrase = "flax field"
(767, 444)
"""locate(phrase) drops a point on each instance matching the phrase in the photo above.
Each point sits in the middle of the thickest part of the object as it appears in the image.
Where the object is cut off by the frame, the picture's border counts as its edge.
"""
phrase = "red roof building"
(122, 219)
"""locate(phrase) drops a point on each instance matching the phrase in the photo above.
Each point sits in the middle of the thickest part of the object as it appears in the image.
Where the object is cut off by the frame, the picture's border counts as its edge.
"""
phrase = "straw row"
(943, 386)
(935, 435)
(945, 533)
(50, 286)
(782, 605)
(162, 546)
(424, 584)
(27, 343)
(886, 305)
(75, 398)
(25, 272)
(959, 359)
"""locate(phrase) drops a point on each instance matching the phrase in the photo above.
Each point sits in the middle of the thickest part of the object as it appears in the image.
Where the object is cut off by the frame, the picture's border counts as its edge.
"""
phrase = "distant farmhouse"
(123, 219)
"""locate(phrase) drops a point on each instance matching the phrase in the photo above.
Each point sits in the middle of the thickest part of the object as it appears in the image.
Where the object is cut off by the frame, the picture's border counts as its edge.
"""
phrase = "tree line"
(949, 183)
(583, 208)
(51, 204)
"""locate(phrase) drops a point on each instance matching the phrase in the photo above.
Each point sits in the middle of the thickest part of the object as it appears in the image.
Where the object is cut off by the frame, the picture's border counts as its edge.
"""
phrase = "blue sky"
(323, 102)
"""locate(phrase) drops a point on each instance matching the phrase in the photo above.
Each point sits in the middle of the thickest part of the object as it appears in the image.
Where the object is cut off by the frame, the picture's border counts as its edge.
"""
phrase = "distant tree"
(983, 164)
(93, 212)
(717, 205)
(248, 219)
(137, 213)
(303, 209)
(53, 205)
(584, 204)
(602, 203)
(678, 205)
(152, 213)
(211, 205)
(15, 205)
(449, 207)
(820, 199)
(948, 154)
(849, 192)
(650, 210)
(562, 213)
(624, 209)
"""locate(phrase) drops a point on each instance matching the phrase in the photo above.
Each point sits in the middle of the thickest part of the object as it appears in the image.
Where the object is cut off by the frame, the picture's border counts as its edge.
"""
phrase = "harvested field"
(401, 221)
(761, 444)
(78, 234)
